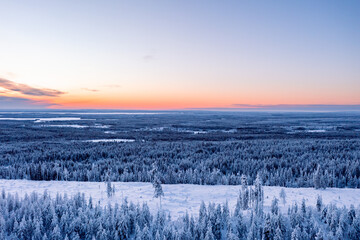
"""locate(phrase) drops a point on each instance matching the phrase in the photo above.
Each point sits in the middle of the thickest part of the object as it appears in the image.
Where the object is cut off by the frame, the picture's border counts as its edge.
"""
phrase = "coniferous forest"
(37, 217)
(200, 148)
(250, 149)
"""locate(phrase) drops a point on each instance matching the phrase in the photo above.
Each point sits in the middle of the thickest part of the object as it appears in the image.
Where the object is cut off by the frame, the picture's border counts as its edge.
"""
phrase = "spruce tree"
(158, 192)
(319, 203)
(317, 178)
(283, 196)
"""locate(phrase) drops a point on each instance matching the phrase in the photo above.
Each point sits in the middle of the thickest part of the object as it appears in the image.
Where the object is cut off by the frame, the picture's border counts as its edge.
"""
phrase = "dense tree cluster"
(40, 217)
(290, 162)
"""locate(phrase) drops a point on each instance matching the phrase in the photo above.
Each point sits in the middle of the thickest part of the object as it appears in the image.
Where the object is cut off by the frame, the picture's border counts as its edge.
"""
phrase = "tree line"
(288, 163)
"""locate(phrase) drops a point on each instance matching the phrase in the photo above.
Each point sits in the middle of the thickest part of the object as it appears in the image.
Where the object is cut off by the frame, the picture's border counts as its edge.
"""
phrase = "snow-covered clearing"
(179, 198)
(110, 140)
(44, 119)
(74, 126)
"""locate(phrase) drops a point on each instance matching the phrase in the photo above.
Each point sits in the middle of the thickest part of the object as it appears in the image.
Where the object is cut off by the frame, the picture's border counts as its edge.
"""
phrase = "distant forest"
(290, 163)
(288, 149)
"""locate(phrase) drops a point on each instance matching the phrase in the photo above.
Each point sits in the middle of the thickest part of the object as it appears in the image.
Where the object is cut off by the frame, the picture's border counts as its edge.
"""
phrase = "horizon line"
(233, 108)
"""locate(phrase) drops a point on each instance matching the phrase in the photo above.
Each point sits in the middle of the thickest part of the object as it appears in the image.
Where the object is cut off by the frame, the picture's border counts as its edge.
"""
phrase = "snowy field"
(179, 198)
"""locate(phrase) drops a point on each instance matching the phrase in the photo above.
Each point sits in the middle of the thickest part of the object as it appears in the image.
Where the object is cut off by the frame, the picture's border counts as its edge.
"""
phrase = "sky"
(178, 54)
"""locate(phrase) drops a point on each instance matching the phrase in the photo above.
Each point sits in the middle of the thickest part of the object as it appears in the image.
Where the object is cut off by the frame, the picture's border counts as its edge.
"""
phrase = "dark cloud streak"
(27, 90)
(300, 107)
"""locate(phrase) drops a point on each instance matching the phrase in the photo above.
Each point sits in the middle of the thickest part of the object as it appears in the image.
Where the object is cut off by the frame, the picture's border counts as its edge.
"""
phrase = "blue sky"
(182, 54)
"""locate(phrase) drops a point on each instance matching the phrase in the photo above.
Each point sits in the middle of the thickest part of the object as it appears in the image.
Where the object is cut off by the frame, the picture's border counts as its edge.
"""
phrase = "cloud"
(27, 90)
(286, 107)
(90, 90)
(300, 107)
(22, 103)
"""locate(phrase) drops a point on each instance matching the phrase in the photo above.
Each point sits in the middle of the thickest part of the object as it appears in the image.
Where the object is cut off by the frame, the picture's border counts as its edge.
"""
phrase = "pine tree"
(254, 230)
(45, 237)
(339, 235)
(275, 206)
(258, 195)
(37, 232)
(303, 207)
(239, 226)
(296, 234)
(319, 203)
(202, 211)
(278, 234)
(209, 233)
(101, 233)
(158, 192)
(146, 234)
(319, 235)
(56, 234)
(267, 230)
(317, 178)
(157, 235)
(231, 236)
(244, 193)
(108, 189)
(225, 216)
(283, 196)
(243, 182)
(239, 202)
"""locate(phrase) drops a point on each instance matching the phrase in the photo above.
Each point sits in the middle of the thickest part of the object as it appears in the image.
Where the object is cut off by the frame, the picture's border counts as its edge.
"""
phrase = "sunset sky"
(178, 54)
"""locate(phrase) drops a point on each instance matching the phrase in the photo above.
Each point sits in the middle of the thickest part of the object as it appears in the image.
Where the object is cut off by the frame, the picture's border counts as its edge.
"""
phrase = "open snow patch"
(180, 198)
(110, 140)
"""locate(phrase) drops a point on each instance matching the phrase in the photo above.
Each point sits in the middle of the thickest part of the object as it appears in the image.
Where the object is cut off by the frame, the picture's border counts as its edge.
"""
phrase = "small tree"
(317, 178)
(244, 193)
(109, 189)
(158, 192)
(275, 206)
(283, 196)
(319, 203)
(258, 195)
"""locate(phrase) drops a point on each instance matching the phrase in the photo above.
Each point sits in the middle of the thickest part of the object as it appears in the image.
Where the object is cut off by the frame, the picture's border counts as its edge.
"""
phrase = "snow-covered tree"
(319, 203)
(317, 178)
(282, 196)
(275, 206)
(158, 192)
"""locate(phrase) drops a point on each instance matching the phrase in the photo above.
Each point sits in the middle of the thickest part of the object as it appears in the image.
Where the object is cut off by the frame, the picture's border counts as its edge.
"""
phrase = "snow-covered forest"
(288, 149)
(91, 163)
(41, 217)
(291, 162)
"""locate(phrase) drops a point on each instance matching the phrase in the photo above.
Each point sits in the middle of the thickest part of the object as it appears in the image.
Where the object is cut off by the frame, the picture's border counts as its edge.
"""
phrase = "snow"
(65, 126)
(110, 140)
(179, 198)
(75, 126)
(316, 131)
(57, 119)
(110, 132)
(37, 120)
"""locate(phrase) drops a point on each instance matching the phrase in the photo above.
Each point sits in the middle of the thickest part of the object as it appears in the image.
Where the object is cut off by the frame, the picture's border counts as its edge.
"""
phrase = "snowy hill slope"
(179, 198)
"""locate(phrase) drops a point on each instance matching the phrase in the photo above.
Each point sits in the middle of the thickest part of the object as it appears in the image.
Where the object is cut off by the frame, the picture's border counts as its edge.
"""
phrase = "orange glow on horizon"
(116, 99)
(147, 103)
